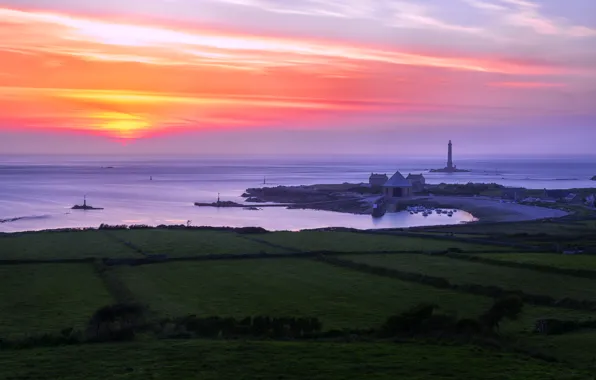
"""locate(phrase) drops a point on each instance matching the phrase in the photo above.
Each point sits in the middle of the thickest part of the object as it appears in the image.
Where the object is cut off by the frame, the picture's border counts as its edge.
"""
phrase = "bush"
(259, 326)
(509, 307)
(116, 322)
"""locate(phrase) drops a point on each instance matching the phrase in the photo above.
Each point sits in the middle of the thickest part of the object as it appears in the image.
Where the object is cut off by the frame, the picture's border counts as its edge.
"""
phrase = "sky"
(297, 76)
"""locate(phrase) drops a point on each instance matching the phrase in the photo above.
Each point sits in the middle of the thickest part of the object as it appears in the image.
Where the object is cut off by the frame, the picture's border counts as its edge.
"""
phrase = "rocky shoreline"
(359, 199)
(346, 198)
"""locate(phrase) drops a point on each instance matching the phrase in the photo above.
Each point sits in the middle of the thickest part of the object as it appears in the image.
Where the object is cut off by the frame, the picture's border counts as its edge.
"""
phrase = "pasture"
(59, 245)
(174, 360)
(45, 298)
(466, 272)
(41, 298)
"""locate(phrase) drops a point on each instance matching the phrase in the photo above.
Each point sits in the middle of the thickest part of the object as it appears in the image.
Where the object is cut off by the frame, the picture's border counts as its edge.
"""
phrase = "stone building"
(397, 187)
(377, 179)
(418, 182)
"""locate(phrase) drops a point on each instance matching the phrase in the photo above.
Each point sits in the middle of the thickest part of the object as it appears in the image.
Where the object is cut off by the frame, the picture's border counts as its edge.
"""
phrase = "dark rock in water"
(448, 170)
(219, 204)
(252, 208)
(85, 207)
(245, 195)
(593, 178)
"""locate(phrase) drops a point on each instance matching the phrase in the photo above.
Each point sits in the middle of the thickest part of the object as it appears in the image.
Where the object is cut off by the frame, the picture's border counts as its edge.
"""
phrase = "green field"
(557, 260)
(577, 348)
(61, 245)
(285, 287)
(48, 297)
(340, 297)
(177, 243)
(466, 272)
(357, 242)
(211, 360)
(554, 227)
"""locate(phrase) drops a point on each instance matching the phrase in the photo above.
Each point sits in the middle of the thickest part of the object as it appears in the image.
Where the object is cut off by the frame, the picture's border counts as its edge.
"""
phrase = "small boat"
(450, 214)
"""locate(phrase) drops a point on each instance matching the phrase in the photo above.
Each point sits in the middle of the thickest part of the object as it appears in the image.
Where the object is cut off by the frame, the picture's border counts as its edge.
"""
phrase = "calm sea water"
(40, 190)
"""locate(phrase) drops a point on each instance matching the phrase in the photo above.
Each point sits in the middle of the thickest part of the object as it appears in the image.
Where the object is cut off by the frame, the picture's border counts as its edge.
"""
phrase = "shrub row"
(240, 230)
(584, 273)
(551, 326)
(483, 290)
(229, 327)
(115, 286)
(453, 238)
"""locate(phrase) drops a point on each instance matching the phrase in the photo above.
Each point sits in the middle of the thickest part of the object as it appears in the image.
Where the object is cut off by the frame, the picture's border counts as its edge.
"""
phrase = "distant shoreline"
(490, 210)
(359, 199)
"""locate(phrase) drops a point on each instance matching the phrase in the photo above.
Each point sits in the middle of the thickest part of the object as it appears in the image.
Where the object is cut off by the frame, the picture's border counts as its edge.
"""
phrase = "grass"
(465, 272)
(555, 227)
(40, 298)
(577, 348)
(341, 298)
(181, 243)
(357, 242)
(285, 287)
(275, 360)
(48, 297)
(61, 245)
(557, 260)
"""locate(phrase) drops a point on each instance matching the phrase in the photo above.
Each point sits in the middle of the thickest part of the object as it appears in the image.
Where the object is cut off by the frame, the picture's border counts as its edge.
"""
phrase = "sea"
(37, 192)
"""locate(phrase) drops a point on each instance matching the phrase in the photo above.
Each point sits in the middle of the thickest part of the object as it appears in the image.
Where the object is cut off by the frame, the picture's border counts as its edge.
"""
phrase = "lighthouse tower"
(450, 166)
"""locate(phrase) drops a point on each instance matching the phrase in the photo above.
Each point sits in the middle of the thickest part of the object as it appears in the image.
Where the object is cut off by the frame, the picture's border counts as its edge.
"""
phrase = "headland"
(487, 202)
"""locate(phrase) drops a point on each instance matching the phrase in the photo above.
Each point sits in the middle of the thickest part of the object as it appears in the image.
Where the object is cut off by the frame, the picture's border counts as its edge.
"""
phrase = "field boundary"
(113, 284)
(582, 273)
(475, 289)
(86, 260)
(453, 238)
(128, 244)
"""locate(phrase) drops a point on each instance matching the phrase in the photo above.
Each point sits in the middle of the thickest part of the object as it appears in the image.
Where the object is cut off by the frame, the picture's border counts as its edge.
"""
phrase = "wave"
(29, 217)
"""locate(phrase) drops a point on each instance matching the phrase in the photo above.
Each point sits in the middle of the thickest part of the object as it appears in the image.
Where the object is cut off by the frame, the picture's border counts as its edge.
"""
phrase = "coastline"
(358, 199)
(487, 209)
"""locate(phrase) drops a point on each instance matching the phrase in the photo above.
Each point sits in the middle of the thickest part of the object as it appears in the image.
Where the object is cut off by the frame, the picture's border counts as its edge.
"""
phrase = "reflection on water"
(269, 218)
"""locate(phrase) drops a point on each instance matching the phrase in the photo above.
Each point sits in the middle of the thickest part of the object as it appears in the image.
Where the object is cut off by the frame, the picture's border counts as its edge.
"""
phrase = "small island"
(450, 168)
(593, 178)
(85, 206)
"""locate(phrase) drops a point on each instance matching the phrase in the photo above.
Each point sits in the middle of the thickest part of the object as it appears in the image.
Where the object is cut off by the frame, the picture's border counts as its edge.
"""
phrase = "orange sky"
(63, 70)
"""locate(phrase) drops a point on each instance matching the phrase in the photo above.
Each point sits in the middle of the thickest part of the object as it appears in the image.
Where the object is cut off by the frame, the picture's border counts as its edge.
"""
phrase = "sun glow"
(120, 125)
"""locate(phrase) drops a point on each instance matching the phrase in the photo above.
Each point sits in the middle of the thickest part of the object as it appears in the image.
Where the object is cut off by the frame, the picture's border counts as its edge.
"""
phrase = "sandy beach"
(491, 210)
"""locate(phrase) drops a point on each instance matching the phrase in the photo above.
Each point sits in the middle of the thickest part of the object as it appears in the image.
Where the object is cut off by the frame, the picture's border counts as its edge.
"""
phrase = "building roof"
(415, 176)
(374, 175)
(397, 180)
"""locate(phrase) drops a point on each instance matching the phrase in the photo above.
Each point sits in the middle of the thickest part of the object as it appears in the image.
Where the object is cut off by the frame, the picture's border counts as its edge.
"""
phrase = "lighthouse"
(450, 166)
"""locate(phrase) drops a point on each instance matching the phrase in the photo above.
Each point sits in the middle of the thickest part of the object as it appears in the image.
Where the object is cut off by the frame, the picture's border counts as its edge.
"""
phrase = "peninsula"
(484, 201)
(450, 168)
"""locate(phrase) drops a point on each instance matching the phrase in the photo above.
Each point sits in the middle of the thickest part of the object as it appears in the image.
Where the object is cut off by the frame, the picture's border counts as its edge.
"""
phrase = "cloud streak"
(130, 79)
(527, 14)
